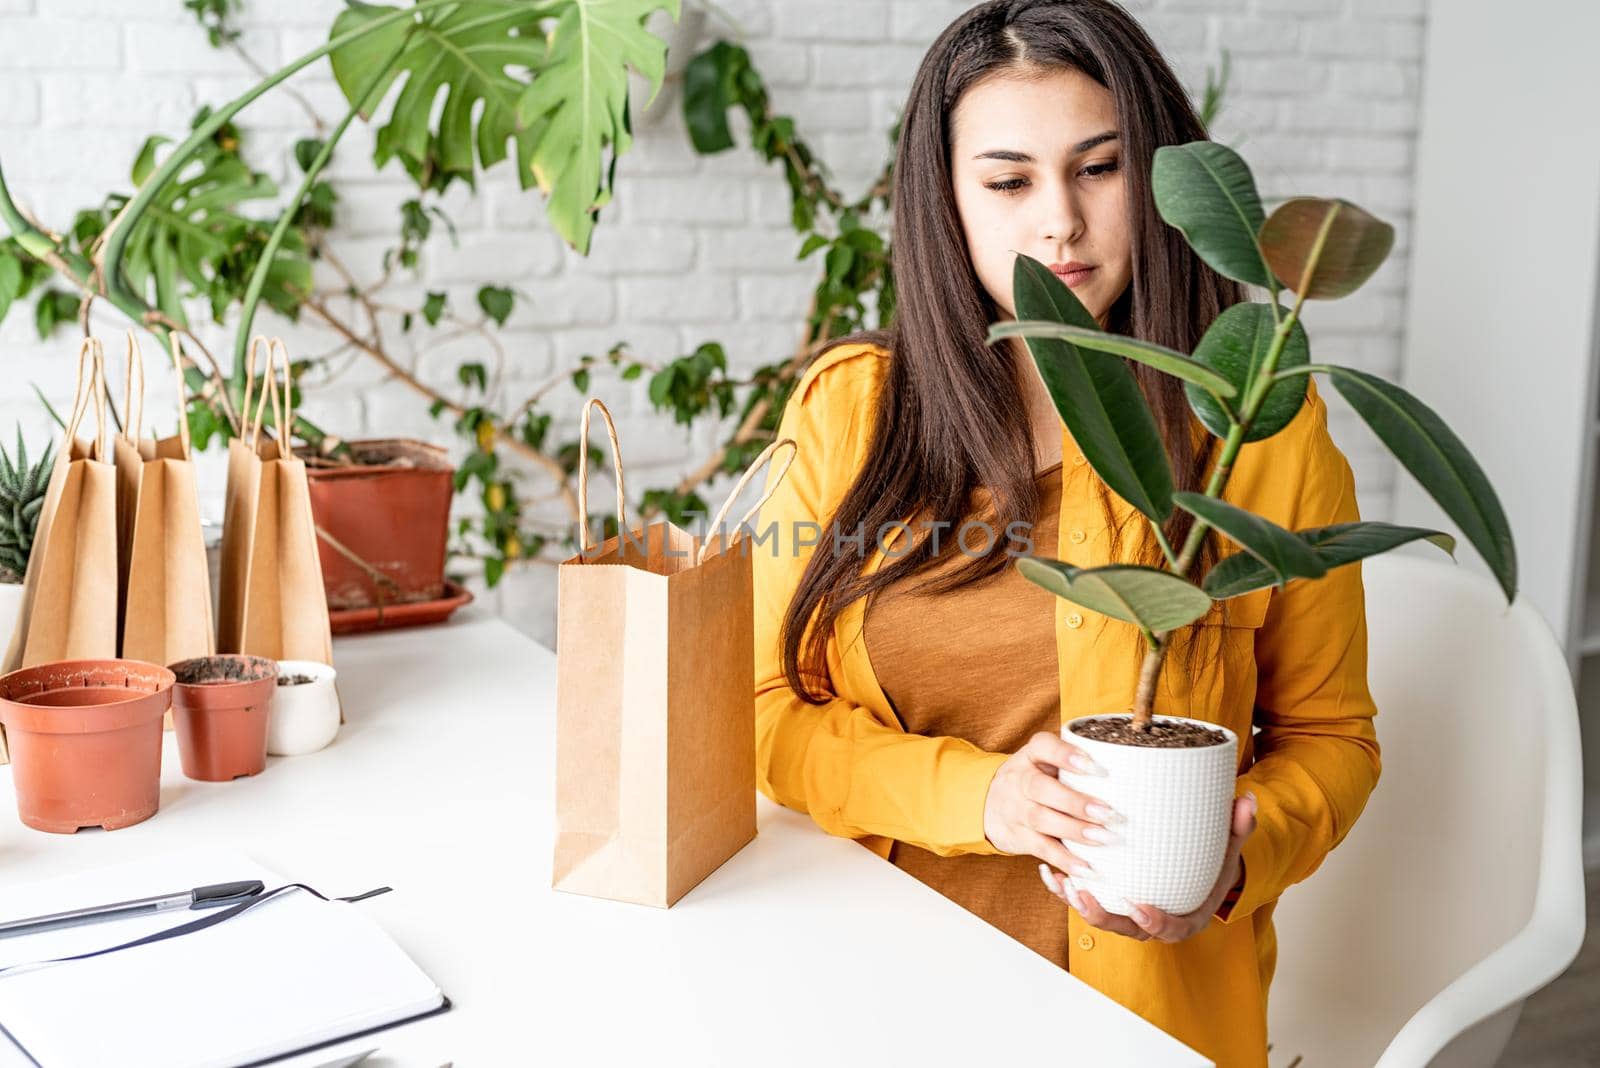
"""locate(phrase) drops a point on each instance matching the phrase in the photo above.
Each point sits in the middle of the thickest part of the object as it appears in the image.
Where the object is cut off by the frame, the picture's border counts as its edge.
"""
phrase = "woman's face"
(1037, 169)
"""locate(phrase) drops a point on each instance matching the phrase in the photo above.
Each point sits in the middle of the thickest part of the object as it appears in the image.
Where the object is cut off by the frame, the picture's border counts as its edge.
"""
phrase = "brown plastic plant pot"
(85, 738)
(219, 707)
(391, 511)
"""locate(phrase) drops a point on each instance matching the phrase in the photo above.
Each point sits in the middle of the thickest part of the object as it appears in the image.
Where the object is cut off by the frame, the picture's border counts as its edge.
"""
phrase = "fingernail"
(1083, 765)
(1078, 867)
(1097, 811)
(1140, 916)
(1044, 873)
(1099, 834)
(1072, 896)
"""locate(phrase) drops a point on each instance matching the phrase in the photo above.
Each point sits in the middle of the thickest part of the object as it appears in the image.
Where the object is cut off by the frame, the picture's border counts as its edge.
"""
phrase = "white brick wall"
(1323, 101)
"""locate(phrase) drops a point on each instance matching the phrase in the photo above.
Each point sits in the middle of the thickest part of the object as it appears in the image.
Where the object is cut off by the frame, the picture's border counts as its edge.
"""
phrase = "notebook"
(291, 974)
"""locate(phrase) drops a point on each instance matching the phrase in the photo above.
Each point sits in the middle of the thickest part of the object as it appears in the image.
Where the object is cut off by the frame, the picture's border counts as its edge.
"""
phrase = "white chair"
(1459, 891)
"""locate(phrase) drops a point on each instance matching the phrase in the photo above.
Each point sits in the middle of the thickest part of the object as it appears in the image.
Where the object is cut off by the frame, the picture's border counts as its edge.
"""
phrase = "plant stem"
(1155, 655)
(258, 279)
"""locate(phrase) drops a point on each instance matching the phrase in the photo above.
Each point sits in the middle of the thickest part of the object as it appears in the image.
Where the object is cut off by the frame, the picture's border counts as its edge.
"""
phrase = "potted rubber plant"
(22, 489)
(1172, 778)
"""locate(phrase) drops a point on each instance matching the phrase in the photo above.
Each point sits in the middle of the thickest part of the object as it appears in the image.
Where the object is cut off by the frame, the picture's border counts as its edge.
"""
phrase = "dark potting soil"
(1157, 735)
(204, 672)
(294, 680)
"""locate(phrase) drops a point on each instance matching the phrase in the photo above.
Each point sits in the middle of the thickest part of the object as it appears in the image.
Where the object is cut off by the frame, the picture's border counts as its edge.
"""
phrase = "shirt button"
(1074, 621)
(1077, 536)
(1085, 941)
(1078, 460)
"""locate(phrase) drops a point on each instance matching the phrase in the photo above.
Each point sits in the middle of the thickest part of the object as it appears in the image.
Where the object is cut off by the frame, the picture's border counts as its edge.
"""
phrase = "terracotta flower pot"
(1176, 806)
(220, 707)
(85, 738)
(392, 511)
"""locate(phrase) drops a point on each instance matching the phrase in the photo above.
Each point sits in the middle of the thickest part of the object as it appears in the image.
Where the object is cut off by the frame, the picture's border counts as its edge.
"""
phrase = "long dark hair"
(950, 419)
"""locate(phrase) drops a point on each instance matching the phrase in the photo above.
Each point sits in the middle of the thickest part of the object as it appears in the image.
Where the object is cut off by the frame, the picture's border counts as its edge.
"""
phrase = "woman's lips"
(1073, 279)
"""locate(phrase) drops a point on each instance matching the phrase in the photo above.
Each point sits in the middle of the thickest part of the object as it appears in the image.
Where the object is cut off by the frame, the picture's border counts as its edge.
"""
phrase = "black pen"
(201, 897)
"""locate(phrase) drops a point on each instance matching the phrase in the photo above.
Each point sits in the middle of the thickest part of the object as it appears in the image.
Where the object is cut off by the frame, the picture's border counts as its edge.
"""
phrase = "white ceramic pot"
(10, 610)
(305, 717)
(1175, 804)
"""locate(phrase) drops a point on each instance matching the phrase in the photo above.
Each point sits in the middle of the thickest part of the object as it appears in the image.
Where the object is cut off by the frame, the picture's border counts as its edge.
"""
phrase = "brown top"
(980, 664)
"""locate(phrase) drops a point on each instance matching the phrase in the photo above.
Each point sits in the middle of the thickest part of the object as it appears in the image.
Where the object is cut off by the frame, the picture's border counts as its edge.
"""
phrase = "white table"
(803, 949)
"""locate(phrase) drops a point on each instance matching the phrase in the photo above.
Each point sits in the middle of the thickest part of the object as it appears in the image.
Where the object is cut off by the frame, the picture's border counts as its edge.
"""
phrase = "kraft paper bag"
(655, 692)
(270, 599)
(69, 592)
(165, 603)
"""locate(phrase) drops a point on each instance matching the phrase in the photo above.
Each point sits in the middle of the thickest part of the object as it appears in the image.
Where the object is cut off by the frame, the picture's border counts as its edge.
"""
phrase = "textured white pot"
(304, 718)
(1175, 804)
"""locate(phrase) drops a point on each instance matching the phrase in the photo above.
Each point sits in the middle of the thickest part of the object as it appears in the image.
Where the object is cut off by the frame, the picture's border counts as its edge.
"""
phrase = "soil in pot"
(295, 680)
(220, 708)
(85, 740)
(1157, 735)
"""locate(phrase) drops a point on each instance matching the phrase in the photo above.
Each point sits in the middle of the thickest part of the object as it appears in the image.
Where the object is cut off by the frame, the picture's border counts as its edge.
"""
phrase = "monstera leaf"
(469, 51)
(191, 233)
(581, 97)
(549, 79)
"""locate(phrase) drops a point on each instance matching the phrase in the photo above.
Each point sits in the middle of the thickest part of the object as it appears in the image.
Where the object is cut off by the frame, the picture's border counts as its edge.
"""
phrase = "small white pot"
(305, 717)
(1176, 806)
(10, 611)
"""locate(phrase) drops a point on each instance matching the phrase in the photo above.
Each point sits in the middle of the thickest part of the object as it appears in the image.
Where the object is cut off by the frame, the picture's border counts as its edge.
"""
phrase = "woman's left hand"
(1149, 922)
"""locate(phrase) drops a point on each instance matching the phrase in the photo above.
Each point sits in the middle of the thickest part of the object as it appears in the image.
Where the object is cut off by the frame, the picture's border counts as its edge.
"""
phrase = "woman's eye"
(1099, 170)
(1007, 185)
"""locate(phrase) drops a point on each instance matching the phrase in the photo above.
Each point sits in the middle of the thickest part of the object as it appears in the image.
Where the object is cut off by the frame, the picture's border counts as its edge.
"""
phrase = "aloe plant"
(1245, 382)
(22, 487)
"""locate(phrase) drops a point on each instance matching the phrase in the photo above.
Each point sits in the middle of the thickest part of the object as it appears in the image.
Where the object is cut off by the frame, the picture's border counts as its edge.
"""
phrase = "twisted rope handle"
(760, 462)
(583, 471)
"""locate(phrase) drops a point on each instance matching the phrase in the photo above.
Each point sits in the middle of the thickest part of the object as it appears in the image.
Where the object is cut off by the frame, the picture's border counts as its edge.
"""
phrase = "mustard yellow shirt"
(1292, 663)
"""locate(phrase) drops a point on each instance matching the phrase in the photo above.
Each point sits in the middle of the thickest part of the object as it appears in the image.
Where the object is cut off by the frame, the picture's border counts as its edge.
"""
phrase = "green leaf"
(433, 308)
(1096, 395)
(811, 244)
(1439, 461)
(710, 88)
(145, 161)
(1206, 190)
(1236, 345)
(580, 380)
(496, 302)
(471, 55)
(10, 281)
(1149, 598)
(580, 96)
(1342, 543)
(305, 150)
(632, 371)
(493, 568)
(1168, 361)
(470, 374)
(1286, 555)
(1324, 248)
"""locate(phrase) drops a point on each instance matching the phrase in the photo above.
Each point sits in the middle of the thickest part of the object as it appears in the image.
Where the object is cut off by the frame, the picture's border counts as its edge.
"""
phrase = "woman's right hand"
(1029, 810)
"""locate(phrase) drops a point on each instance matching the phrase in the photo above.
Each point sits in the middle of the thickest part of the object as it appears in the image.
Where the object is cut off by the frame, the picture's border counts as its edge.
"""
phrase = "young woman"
(910, 685)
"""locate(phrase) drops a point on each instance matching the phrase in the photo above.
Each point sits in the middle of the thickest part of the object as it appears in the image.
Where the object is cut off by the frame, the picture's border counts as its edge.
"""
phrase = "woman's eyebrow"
(1014, 156)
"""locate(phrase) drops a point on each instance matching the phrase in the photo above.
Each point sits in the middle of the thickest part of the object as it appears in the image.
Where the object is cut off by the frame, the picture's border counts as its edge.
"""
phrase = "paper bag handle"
(82, 392)
(286, 417)
(175, 342)
(131, 422)
(744, 480)
(583, 471)
(247, 425)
